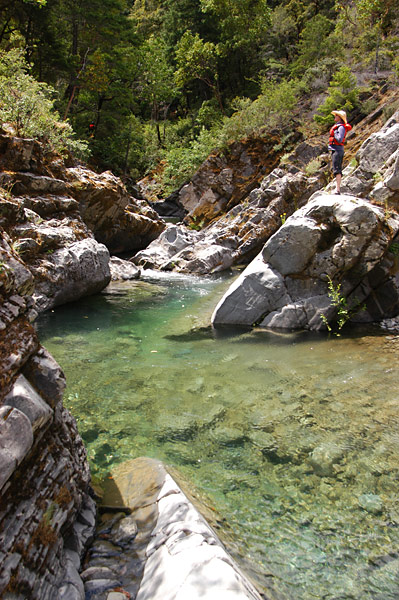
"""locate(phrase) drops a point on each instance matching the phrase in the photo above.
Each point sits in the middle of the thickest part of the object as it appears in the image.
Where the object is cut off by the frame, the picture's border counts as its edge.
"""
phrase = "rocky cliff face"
(46, 512)
(342, 243)
(62, 221)
(256, 208)
(49, 256)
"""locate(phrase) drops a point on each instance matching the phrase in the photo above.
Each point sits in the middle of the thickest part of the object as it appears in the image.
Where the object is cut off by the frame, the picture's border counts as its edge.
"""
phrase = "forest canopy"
(145, 83)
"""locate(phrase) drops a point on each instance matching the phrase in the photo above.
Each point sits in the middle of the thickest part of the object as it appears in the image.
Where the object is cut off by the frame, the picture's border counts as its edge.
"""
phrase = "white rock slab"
(185, 559)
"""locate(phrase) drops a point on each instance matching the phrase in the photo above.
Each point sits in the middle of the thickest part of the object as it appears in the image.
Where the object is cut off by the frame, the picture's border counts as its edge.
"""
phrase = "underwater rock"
(324, 457)
(371, 503)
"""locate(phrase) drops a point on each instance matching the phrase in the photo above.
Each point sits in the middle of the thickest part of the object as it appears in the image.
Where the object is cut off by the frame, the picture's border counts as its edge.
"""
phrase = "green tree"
(156, 81)
(197, 59)
(343, 94)
(315, 43)
(240, 21)
(28, 107)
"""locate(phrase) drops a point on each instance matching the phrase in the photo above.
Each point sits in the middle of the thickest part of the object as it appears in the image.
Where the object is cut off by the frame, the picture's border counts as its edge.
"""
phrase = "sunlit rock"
(72, 272)
(344, 240)
(116, 218)
(176, 553)
(237, 236)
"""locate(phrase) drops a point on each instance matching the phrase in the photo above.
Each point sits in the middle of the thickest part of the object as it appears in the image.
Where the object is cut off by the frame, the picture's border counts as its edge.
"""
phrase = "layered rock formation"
(223, 180)
(51, 214)
(47, 514)
(48, 256)
(237, 236)
(117, 219)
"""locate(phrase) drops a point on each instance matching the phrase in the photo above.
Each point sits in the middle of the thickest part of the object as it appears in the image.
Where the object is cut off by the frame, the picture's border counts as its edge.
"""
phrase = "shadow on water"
(292, 435)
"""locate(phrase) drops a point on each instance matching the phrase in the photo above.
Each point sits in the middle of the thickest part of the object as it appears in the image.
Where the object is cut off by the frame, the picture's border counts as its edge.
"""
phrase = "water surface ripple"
(294, 438)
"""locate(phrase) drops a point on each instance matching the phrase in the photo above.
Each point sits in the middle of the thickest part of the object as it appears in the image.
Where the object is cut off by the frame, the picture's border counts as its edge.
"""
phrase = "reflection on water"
(294, 438)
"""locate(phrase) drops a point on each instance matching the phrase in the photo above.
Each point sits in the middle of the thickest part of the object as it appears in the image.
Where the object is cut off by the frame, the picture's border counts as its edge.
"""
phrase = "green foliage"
(156, 76)
(209, 115)
(28, 106)
(343, 94)
(315, 43)
(181, 162)
(394, 248)
(343, 311)
(165, 80)
(241, 21)
(271, 109)
(313, 166)
(197, 59)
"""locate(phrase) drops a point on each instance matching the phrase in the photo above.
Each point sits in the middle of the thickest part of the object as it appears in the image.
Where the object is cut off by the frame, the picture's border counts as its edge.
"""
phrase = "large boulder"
(77, 270)
(332, 241)
(55, 257)
(171, 551)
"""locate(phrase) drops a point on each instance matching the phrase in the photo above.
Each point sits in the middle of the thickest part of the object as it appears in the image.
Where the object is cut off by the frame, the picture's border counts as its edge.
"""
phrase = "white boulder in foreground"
(342, 238)
(181, 556)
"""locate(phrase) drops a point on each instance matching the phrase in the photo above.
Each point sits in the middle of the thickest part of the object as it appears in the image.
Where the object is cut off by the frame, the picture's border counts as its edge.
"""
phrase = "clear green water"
(294, 438)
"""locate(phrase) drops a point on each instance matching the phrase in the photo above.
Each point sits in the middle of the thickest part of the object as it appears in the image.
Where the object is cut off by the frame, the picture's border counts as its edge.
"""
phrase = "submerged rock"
(324, 457)
(371, 503)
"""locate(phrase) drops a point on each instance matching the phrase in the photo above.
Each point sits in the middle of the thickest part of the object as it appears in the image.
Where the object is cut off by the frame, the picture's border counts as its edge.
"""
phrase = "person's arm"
(339, 134)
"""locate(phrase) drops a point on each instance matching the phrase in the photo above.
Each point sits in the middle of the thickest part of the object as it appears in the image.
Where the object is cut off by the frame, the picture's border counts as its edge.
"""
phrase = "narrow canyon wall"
(46, 512)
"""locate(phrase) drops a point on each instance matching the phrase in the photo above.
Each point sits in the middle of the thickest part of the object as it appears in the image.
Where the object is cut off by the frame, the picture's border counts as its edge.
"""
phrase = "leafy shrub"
(272, 108)
(343, 94)
(181, 162)
(28, 106)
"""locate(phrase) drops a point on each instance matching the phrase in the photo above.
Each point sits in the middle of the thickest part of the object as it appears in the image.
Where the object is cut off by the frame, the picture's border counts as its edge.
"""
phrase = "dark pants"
(337, 156)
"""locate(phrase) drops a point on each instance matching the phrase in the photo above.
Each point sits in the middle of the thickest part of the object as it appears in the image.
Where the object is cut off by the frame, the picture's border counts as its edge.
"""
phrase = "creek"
(293, 438)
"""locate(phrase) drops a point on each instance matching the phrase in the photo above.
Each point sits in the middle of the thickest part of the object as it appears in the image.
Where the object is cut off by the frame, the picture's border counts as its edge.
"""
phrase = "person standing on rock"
(336, 144)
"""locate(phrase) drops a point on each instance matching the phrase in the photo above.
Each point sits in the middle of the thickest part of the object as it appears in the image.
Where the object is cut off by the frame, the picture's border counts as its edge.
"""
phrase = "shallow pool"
(294, 438)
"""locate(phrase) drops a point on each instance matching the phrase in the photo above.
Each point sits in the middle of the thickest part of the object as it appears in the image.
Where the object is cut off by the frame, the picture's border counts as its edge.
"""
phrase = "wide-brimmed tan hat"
(340, 113)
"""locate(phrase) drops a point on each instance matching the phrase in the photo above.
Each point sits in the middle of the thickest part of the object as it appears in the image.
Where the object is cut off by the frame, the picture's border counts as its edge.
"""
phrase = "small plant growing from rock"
(394, 248)
(313, 166)
(344, 312)
(196, 225)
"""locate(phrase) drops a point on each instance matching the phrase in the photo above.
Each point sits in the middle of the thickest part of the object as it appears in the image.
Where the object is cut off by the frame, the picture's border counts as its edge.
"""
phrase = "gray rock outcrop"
(342, 239)
(117, 219)
(225, 178)
(72, 272)
(237, 236)
(44, 202)
(55, 253)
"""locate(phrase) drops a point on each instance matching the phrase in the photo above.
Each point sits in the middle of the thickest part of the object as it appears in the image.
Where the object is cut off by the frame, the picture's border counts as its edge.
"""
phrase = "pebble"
(371, 503)
(124, 531)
